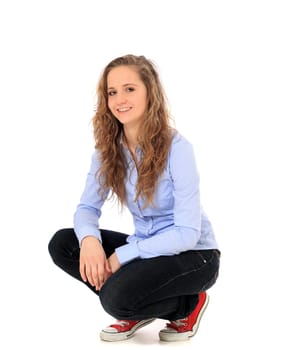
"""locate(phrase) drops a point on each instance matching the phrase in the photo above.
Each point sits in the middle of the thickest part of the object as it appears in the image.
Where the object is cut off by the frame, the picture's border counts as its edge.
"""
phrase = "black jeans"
(165, 287)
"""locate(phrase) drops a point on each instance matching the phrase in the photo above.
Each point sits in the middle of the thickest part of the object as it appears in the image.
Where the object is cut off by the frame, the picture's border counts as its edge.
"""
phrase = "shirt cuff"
(88, 231)
(127, 252)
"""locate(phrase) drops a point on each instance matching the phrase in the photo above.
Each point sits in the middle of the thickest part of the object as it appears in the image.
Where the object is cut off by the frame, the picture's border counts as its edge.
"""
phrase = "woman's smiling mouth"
(124, 109)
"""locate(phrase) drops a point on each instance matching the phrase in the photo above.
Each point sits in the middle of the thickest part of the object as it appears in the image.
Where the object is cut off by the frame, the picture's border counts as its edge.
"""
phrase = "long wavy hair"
(155, 134)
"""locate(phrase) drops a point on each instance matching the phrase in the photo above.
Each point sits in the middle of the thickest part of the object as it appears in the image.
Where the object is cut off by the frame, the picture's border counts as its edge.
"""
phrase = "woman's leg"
(164, 287)
(65, 250)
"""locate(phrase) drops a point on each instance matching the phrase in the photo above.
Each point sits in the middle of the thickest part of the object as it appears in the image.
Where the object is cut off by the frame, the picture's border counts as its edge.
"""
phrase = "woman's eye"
(130, 89)
(111, 93)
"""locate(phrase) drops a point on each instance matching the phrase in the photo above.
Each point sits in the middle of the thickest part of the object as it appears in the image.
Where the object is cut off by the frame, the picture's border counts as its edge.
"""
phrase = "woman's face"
(127, 95)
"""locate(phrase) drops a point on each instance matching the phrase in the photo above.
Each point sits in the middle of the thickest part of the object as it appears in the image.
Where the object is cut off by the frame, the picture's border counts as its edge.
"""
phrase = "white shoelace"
(122, 323)
(180, 322)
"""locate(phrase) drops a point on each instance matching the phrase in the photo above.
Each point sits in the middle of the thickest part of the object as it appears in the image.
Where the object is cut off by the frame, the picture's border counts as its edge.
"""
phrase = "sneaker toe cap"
(110, 330)
(168, 330)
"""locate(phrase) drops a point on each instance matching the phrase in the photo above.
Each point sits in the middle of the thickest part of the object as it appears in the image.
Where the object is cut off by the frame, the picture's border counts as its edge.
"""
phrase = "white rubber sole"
(168, 334)
(118, 336)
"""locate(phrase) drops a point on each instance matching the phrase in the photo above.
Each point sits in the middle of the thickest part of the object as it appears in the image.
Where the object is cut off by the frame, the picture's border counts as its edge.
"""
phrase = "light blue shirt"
(174, 224)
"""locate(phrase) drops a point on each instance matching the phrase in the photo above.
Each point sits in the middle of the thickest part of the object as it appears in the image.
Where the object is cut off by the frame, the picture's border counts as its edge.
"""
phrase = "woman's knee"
(59, 243)
(53, 246)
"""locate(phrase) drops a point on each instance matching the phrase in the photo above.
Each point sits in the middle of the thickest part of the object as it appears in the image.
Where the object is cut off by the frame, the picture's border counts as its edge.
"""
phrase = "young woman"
(165, 267)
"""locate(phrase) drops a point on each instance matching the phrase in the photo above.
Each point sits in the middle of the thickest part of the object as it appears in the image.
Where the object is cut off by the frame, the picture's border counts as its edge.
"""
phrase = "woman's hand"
(94, 266)
(114, 263)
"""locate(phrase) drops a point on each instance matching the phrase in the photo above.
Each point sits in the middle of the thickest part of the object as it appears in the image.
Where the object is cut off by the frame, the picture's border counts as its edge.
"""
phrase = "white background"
(221, 63)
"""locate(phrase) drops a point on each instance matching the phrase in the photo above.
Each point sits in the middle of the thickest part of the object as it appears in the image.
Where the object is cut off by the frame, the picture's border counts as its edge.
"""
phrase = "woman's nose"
(120, 98)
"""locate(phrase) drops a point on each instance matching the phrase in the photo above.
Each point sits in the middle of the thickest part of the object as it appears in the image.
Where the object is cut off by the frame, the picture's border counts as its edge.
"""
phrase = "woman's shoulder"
(95, 160)
(181, 154)
(180, 141)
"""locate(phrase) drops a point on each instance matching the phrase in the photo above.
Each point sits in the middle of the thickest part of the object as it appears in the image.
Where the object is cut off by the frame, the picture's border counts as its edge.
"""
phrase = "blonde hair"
(155, 134)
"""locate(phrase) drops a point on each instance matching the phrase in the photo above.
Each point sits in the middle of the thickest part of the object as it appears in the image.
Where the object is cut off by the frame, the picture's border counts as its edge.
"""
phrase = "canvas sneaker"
(122, 329)
(187, 327)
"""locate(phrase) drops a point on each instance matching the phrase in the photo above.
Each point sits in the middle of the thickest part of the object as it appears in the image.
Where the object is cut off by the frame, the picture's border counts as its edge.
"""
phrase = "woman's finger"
(95, 277)
(100, 275)
(82, 271)
(89, 275)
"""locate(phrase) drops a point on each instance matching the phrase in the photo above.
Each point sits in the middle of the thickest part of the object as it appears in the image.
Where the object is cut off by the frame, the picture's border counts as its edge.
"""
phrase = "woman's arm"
(88, 212)
(94, 266)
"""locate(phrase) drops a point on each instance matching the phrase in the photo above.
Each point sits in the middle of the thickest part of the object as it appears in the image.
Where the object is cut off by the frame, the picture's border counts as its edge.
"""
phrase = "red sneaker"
(122, 329)
(187, 327)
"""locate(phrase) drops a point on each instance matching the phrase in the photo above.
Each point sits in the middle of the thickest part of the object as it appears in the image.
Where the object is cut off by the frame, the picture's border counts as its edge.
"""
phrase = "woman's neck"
(131, 138)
